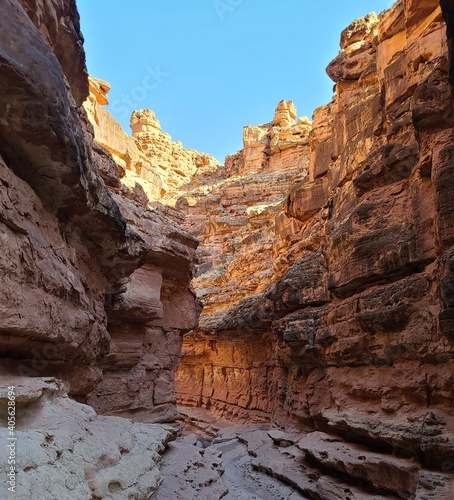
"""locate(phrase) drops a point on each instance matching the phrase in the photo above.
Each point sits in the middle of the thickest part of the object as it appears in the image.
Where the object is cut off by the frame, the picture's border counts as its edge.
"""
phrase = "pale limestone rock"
(174, 164)
(144, 120)
(385, 473)
(305, 122)
(285, 114)
(66, 451)
(191, 473)
(254, 141)
(131, 164)
(151, 165)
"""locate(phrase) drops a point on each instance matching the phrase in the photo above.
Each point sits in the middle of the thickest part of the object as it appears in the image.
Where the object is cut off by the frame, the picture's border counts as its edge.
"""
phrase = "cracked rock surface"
(216, 459)
(66, 451)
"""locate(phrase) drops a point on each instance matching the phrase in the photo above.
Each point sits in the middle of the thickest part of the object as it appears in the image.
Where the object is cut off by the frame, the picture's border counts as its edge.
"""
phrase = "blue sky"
(209, 67)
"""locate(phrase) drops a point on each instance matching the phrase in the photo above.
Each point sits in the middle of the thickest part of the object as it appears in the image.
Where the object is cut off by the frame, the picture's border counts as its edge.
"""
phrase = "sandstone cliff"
(91, 277)
(149, 163)
(233, 211)
(332, 311)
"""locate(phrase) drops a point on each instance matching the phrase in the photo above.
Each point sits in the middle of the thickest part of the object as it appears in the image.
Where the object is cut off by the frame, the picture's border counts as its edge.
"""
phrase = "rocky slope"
(149, 163)
(333, 311)
(91, 277)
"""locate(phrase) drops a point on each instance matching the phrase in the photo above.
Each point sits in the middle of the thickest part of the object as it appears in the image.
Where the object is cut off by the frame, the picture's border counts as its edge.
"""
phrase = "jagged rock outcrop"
(69, 240)
(350, 330)
(279, 145)
(147, 321)
(148, 161)
(233, 211)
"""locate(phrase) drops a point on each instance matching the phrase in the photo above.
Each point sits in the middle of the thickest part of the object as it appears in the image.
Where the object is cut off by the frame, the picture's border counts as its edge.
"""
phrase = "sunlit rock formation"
(148, 161)
(333, 312)
(235, 213)
(325, 265)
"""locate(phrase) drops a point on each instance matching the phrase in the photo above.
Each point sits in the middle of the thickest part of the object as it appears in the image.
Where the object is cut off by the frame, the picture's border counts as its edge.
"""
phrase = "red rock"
(356, 312)
(80, 260)
(325, 263)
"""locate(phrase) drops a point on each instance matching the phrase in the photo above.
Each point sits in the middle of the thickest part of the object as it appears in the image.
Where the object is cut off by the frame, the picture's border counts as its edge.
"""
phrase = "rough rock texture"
(149, 161)
(94, 282)
(59, 22)
(70, 242)
(327, 267)
(65, 242)
(66, 451)
(174, 164)
(216, 459)
(279, 145)
(233, 211)
(147, 321)
(349, 327)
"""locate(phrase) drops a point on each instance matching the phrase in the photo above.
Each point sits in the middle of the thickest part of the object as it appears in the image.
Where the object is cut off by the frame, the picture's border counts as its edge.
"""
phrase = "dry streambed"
(215, 459)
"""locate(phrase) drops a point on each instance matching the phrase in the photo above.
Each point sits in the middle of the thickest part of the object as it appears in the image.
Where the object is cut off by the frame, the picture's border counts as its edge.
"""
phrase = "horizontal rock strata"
(149, 162)
(331, 311)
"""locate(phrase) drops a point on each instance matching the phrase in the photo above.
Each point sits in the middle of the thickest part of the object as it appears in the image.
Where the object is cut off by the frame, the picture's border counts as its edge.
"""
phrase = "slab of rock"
(65, 450)
(191, 472)
(383, 472)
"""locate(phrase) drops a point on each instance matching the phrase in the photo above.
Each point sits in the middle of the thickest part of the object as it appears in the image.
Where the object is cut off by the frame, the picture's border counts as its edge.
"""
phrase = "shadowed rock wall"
(70, 241)
(94, 282)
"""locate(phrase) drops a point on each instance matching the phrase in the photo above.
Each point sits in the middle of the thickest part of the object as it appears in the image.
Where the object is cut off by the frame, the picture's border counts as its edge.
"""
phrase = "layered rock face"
(87, 268)
(149, 162)
(347, 327)
(147, 321)
(326, 266)
(233, 211)
(70, 242)
(65, 242)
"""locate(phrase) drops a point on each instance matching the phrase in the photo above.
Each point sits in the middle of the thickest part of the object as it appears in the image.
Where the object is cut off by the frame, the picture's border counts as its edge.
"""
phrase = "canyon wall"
(327, 269)
(149, 162)
(82, 251)
(147, 321)
(94, 283)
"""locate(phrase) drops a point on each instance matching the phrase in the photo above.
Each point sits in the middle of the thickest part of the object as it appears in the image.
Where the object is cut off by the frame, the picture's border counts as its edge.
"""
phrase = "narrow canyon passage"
(295, 303)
